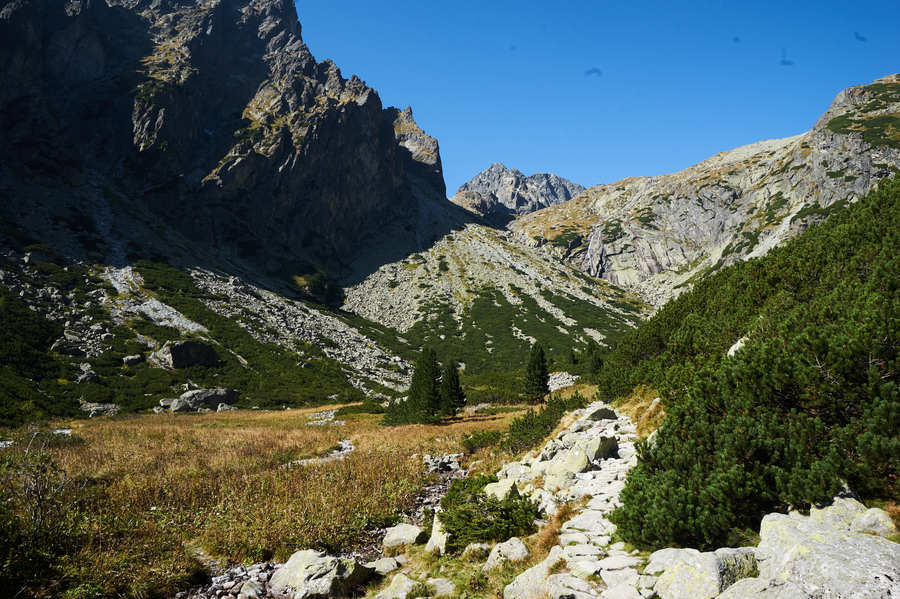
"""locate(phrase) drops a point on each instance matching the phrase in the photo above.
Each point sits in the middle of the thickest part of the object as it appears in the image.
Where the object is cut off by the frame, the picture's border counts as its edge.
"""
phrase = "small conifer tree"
(536, 375)
(451, 394)
(422, 404)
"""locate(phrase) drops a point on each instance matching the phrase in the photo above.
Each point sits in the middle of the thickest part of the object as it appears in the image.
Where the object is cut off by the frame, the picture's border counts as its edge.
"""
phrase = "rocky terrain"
(835, 551)
(435, 294)
(498, 193)
(654, 234)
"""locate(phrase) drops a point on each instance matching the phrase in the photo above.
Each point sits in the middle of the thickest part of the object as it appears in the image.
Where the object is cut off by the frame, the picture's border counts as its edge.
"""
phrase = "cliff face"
(655, 234)
(499, 193)
(211, 118)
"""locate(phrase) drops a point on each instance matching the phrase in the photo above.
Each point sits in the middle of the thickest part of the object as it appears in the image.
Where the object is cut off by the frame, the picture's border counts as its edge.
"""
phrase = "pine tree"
(536, 376)
(452, 397)
(422, 404)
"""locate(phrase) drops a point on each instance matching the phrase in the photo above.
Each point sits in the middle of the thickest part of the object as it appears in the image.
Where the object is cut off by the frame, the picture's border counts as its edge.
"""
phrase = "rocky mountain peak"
(497, 193)
(213, 118)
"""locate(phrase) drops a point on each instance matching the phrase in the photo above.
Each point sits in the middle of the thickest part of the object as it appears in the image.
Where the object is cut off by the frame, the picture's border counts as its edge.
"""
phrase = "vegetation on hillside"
(808, 404)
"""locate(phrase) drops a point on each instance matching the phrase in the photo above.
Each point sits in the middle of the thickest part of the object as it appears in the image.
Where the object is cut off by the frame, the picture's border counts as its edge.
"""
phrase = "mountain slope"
(654, 235)
(212, 118)
(779, 378)
(499, 193)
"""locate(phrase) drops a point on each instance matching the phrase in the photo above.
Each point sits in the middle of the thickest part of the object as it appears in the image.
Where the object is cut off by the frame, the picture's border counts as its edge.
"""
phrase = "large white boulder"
(403, 535)
(824, 556)
(437, 542)
(705, 575)
(532, 583)
(311, 574)
(513, 550)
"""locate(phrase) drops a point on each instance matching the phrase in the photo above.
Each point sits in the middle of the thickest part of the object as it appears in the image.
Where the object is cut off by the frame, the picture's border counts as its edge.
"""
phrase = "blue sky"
(503, 81)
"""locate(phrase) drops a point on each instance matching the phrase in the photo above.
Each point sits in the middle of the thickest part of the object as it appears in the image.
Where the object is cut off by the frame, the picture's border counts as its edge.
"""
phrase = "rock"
(182, 354)
(623, 577)
(572, 461)
(875, 521)
(201, 398)
(224, 407)
(581, 550)
(591, 523)
(584, 567)
(384, 566)
(499, 489)
(437, 542)
(513, 550)
(132, 360)
(443, 463)
(252, 590)
(476, 551)
(602, 413)
(822, 552)
(403, 535)
(532, 583)
(622, 591)
(759, 588)
(401, 587)
(600, 448)
(566, 586)
(497, 193)
(441, 587)
(311, 574)
(705, 575)
(660, 560)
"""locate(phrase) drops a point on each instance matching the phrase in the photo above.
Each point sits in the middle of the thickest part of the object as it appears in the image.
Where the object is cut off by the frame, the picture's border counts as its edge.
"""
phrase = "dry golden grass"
(163, 488)
(637, 407)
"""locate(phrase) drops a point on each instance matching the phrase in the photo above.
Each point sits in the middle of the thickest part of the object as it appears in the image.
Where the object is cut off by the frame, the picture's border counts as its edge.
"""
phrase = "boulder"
(182, 354)
(513, 550)
(437, 542)
(571, 461)
(384, 566)
(760, 588)
(252, 590)
(190, 401)
(401, 587)
(601, 413)
(499, 489)
(311, 574)
(823, 552)
(623, 577)
(224, 407)
(622, 591)
(664, 558)
(441, 587)
(875, 521)
(593, 523)
(705, 575)
(600, 448)
(566, 586)
(532, 583)
(403, 535)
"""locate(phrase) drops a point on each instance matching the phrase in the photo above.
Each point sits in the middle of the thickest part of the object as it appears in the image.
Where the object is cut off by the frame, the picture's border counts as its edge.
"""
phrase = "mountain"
(203, 131)
(498, 193)
(655, 235)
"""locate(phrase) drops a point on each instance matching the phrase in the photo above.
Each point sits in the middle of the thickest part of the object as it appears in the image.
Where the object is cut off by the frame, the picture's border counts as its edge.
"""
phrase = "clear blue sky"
(504, 81)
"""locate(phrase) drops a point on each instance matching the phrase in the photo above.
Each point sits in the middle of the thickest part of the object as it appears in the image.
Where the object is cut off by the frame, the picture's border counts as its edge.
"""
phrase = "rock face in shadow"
(498, 193)
(165, 127)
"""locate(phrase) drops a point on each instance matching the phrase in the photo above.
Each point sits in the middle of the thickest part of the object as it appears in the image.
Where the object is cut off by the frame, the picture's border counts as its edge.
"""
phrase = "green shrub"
(531, 428)
(470, 516)
(480, 439)
(810, 402)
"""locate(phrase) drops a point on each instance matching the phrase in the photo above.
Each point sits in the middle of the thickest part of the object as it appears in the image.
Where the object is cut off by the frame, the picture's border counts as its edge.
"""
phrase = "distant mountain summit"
(499, 193)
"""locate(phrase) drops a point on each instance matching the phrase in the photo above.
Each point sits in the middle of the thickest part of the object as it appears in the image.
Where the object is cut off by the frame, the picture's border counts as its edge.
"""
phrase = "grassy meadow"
(133, 506)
